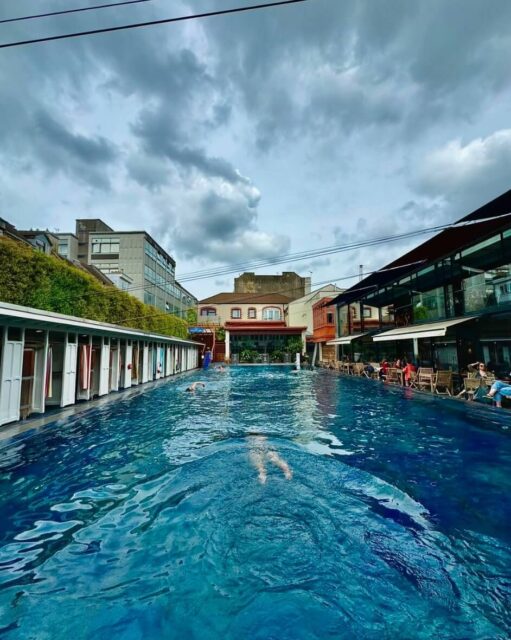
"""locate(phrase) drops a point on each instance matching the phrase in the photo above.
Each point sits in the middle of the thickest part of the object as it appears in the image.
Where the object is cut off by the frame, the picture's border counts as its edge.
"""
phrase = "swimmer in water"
(194, 386)
(260, 453)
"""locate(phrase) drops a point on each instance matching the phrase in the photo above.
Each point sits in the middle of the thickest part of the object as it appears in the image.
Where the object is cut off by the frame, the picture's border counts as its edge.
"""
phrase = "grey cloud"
(87, 150)
(160, 135)
(417, 64)
(465, 176)
(223, 228)
(148, 171)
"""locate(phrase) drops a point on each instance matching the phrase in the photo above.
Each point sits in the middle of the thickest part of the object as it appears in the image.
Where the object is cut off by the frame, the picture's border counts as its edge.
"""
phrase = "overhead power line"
(304, 255)
(243, 296)
(209, 14)
(65, 11)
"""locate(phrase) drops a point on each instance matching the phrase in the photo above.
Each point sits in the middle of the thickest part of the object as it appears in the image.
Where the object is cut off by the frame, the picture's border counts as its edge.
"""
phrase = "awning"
(430, 330)
(346, 339)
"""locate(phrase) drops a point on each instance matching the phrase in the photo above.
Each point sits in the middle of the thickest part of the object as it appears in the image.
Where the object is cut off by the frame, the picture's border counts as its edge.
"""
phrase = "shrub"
(33, 279)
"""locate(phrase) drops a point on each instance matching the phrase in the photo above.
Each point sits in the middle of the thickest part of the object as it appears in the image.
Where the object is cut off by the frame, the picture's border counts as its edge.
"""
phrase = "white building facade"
(54, 360)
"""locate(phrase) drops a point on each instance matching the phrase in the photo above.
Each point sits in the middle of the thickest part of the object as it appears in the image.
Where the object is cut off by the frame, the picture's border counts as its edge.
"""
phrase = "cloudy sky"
(250, 136)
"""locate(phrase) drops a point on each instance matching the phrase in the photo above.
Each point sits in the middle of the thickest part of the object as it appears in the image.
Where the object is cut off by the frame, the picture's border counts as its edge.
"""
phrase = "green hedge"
(33, 279)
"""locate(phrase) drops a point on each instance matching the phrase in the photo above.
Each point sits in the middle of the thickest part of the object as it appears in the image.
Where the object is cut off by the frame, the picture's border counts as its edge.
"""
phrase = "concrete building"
(253, 322)
(300, 311)
(67, 246)
(40, 240)
(225, 307)
(288, 284)
(147, 267)
(55, 360)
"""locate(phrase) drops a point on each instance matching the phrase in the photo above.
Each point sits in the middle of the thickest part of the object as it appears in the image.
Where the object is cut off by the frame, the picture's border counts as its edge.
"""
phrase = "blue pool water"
(146, 519)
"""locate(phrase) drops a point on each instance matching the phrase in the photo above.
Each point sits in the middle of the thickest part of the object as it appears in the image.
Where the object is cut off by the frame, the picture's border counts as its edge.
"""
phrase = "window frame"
(208, 313)
(271, 308)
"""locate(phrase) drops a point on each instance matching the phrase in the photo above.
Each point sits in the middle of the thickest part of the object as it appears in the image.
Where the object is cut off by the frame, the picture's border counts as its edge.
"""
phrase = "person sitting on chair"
(499, 389)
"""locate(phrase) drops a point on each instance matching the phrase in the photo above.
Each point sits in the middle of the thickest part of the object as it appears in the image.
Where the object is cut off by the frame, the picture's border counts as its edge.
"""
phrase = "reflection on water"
(148, 519)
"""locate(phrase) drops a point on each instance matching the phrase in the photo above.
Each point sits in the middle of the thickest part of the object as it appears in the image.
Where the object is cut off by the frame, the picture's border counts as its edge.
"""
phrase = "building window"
(105, 245)
(208, 311)
(236, 313)
(63, 249)
(271, 313)
(330, 318)
(252, 313)
(367, 312)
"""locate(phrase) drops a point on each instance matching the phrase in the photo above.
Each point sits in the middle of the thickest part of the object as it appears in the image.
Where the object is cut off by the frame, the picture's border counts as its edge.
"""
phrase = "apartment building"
(133, 261)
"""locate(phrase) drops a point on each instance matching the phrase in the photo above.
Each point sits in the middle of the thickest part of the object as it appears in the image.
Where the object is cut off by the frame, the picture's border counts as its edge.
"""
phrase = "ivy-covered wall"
(33, 279)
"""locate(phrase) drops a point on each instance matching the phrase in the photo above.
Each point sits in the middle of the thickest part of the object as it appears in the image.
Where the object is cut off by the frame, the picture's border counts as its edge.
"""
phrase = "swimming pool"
(146, 519)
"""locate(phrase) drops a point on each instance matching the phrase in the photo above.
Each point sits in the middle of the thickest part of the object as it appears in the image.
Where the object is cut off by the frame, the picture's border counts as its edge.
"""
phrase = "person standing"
(207, 359)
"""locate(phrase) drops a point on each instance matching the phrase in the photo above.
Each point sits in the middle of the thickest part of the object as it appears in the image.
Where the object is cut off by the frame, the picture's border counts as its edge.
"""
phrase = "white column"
(227, 345)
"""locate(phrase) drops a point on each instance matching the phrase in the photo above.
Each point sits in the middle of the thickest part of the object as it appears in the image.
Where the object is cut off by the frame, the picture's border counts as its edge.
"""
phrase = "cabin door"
(11, 373)
(69, 372)
(104, 367)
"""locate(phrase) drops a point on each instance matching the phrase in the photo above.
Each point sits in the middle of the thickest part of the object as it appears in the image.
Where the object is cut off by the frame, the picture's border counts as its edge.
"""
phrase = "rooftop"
(246, 298)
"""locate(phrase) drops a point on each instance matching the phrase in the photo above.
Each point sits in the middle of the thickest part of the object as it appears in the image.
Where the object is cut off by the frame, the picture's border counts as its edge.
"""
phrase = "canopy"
(430, 330)
(346, 339)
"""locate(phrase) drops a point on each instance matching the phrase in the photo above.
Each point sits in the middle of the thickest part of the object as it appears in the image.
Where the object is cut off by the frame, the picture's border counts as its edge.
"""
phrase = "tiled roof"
(246, 298)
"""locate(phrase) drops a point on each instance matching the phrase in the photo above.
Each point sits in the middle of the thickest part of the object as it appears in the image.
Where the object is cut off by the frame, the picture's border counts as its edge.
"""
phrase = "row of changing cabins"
(53, 360)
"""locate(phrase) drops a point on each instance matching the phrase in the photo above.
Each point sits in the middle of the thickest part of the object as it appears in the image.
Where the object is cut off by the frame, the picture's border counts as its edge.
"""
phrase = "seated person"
(368, 369)
(479, 368)
(384, 367)
(499, 389)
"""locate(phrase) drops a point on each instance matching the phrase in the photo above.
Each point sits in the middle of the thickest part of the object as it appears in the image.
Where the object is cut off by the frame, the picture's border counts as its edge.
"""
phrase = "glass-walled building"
(136, 254)
(445, 303)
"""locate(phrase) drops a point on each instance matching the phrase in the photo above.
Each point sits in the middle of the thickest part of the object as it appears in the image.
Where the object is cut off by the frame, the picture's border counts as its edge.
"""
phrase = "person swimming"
(260, 452)
(194, 386)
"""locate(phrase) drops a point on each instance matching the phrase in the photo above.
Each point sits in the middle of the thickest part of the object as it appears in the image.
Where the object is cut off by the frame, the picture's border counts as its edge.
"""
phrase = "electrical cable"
(299, 256)
(197, 275)
(243, 296)
(208, 14)
(65, 11)
(304, 255)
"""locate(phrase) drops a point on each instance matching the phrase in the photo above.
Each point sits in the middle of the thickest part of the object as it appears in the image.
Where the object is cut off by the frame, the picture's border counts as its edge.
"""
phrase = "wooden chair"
(413, 379)
(471, 386)
(392, 376)
(425, 378)
(443, 383)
